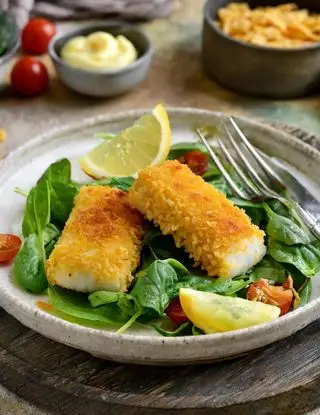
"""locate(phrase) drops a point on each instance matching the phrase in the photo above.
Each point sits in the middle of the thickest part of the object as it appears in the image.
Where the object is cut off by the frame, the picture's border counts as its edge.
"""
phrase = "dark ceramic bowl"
(104, 83)
(257, 70)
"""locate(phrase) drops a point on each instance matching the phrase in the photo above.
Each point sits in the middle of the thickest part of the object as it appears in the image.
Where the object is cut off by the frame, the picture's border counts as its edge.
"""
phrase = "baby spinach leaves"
(78, 306)
(184, 329)
(122, 183)
(37, 210)
(62, 190)
(268, 268)
(306, 258)
(50, 236)
(284, 229)
(179, 149)
(152, 291)
(305, 293)
(51, 199)
(29, 267)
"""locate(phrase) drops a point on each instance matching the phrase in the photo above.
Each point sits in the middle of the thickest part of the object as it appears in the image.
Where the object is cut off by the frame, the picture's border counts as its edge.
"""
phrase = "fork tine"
(238, 169)
(258, 181)
(223, 171)
(275, 179)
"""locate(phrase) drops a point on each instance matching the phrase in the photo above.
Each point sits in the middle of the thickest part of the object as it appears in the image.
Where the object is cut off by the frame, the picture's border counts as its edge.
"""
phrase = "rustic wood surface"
(281, 379)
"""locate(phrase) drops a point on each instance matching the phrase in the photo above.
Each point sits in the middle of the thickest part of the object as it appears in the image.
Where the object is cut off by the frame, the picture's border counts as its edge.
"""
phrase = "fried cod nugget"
(99, 248)
(218, 235)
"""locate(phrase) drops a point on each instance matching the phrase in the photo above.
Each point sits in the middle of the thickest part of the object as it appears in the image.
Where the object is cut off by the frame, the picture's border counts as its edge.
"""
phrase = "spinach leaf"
(60, 171)
(279, 208)
(99, 298)
(153, 290)
(37, 210)
(254, 210)
(179, 268)
(9, 32)
(50, 233)
(164, 247)
(305, 293)
(298, 278)
(122, 183)
(304, 257)
(29, 267)
(50, 237)
(50, 247)
(177, 150)
(211, 174)
(196, 331)
(184, 329)
(220, 184)
(223, 286)
(62, 190)
(62, 199)
(284, 229)
(152, 233)
(246, 203)
(78, 306)
(268, 268)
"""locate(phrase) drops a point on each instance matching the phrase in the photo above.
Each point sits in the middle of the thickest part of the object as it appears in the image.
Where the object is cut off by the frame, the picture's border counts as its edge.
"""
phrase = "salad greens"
(9, 33)
(164, 268)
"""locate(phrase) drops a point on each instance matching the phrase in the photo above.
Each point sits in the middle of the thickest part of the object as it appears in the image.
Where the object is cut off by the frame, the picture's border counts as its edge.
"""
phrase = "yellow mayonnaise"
(99, 51)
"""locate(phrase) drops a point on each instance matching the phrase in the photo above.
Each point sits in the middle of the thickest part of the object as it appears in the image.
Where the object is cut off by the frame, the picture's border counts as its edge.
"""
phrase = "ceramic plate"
(24, 166)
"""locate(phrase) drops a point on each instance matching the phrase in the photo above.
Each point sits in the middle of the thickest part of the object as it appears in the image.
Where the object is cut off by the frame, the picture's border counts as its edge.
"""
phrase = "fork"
(255, 186)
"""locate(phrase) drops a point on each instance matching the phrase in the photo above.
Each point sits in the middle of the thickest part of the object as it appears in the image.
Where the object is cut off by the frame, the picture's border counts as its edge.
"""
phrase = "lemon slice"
(146, 143)
(217, 313)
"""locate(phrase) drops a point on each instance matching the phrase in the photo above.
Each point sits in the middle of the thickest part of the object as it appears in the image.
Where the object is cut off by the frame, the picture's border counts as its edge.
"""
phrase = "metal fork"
(255, 186)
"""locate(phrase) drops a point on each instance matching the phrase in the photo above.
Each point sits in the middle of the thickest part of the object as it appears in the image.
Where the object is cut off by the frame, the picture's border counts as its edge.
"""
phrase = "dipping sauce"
(99, 51)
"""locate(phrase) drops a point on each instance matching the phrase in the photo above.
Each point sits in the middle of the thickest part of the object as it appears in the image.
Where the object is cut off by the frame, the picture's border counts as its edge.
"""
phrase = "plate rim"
(245, 333)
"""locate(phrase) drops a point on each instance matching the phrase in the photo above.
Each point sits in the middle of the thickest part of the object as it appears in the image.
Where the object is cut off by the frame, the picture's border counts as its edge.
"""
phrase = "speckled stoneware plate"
(24, 166)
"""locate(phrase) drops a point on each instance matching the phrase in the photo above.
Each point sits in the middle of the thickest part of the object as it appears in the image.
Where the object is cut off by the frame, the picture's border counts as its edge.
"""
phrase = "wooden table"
(176, 79)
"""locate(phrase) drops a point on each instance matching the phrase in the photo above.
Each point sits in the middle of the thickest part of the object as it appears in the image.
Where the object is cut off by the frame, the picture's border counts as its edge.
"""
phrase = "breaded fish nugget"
(217, 234)
(100, 245)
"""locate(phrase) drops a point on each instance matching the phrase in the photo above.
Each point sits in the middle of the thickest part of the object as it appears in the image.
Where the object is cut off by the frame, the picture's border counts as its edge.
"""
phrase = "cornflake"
(283, 26)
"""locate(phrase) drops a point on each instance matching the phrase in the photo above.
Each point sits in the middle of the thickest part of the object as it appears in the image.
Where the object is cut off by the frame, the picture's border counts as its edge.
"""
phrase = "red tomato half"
(9, 247)
(196, 161)
(175, 312)
(29, 76)
(36, 36)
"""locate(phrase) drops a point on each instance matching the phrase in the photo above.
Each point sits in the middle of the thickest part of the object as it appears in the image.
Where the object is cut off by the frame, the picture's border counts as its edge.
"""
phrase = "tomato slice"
(9, 247)
(175, 312)
(279, 295)
(196, 161)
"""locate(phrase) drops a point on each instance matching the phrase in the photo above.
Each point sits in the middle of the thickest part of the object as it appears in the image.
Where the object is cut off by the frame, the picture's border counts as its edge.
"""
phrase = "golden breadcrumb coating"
(200, 218)
(100, 245)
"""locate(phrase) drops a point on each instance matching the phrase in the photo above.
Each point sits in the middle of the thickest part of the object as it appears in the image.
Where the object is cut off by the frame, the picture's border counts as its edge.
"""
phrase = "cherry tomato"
(196, 161)
(36, 35)
(279, 295)
(9, 247)
(175, 312)
(29, 76)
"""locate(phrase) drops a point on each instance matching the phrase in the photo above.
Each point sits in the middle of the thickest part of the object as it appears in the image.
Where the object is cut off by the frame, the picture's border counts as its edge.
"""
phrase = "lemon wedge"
(217, 313)
(147, 142)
